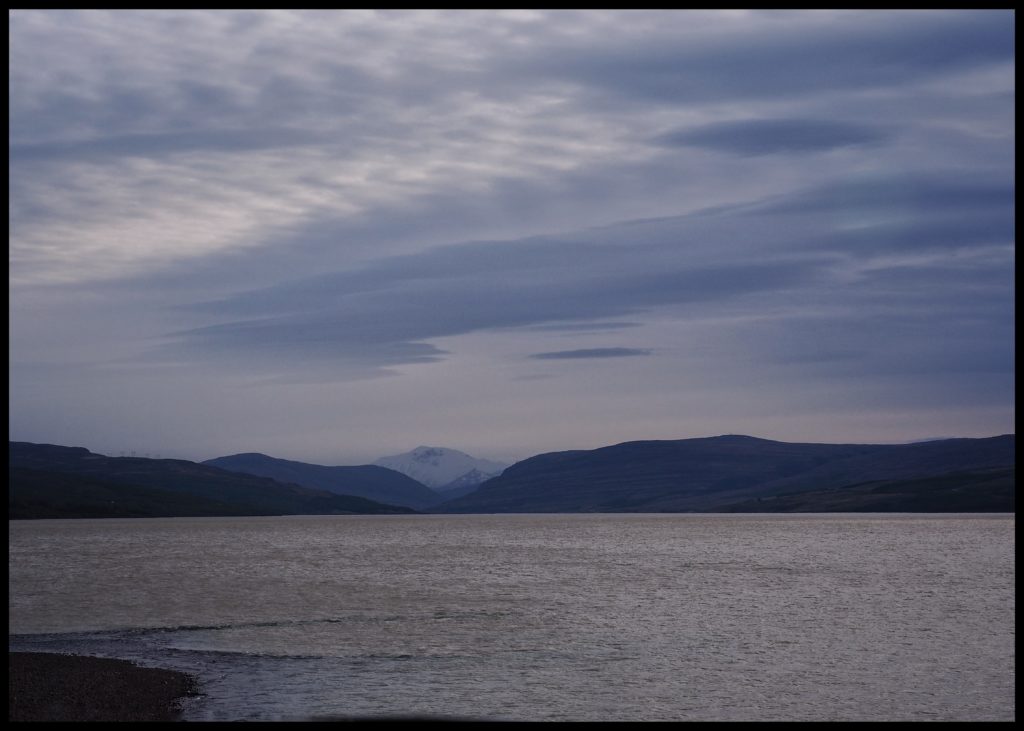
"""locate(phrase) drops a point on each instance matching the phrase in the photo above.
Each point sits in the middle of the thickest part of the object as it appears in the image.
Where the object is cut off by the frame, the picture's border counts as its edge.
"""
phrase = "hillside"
(985, 491)
(711, 473)
(367, 481)
(51, 481)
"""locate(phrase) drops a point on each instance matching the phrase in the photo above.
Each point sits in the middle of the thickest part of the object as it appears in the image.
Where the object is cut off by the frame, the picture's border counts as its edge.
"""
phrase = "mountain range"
(731, 473)
(727, 472)
(420, 479)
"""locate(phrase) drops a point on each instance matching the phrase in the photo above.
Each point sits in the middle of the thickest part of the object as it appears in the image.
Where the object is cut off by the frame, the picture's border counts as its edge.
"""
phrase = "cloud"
(585, 353)
(162, 164)
(797, 207)
(908, 194)
(157, 145)
(771, 136)
(583, 327)
(399, 303)
(809, 54)
(842, 245)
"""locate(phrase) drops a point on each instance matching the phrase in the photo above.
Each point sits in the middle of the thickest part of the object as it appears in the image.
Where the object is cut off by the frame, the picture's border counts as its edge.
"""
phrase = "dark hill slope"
(981, 491)
(41, 494)
(367, 481)
(48, 480)
(707, 474)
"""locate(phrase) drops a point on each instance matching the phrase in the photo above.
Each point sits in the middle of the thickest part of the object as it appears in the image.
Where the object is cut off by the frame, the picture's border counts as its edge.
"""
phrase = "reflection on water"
(540, 617)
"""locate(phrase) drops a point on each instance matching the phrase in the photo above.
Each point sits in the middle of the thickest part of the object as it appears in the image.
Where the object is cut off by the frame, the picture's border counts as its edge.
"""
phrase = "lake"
(584, 617)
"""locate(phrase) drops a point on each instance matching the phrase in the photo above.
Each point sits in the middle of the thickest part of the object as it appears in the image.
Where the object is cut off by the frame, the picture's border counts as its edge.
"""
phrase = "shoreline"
(56, 687)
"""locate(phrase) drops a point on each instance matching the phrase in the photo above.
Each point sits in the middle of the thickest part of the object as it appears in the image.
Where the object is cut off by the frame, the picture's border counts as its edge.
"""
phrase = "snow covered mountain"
(438, 467)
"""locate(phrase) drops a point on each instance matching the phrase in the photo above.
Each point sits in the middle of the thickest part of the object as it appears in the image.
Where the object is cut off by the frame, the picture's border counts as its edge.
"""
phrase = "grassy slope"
(53, 481)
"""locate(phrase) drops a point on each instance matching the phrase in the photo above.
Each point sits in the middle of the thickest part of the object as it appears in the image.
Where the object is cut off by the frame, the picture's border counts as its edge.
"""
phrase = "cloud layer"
(770, 136)
(794, 217)
(586, 353)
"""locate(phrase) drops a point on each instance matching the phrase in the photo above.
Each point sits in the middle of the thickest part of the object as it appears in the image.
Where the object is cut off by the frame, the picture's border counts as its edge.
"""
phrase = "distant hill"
(443, 469)
(52, 481)
(986, 491)
(709, 474)
(464, 485)
(368, 481)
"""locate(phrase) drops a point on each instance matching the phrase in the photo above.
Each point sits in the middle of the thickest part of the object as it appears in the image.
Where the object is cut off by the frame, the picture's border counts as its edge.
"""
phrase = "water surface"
(540, 617)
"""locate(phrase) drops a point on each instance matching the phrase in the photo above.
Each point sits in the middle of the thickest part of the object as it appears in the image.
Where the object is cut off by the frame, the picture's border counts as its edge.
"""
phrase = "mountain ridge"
(372, 482)
(710, 473)
(727, 473)
(53, 481)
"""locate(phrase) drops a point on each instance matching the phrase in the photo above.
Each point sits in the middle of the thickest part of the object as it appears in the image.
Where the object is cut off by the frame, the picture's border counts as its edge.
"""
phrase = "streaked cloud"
(772, 54)
(586, 353)
(772, 136)
(166, 144)
(583, 327)
(355, 220)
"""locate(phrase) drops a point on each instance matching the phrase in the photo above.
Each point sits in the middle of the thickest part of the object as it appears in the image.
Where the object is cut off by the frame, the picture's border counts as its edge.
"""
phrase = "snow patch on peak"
(430, 455)
(439, 466)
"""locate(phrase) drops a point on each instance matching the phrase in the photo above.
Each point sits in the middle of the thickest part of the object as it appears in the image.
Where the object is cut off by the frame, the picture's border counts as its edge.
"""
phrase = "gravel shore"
(47, 687)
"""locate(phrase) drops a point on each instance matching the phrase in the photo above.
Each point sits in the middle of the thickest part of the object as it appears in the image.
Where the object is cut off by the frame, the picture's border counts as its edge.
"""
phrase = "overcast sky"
(336, 235)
